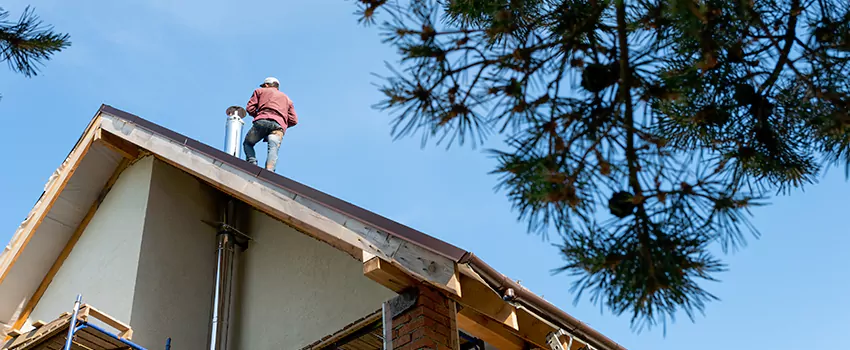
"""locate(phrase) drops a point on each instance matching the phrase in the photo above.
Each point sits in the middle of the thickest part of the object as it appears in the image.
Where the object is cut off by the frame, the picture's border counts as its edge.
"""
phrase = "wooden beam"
(72, 241)
(117, 144)
(304, 214)
(492, 332)
(386, 274)
(532, 328)
(51, 193)
(480, 297)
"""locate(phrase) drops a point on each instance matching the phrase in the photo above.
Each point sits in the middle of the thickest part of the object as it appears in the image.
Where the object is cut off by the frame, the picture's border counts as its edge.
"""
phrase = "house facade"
(132, 221)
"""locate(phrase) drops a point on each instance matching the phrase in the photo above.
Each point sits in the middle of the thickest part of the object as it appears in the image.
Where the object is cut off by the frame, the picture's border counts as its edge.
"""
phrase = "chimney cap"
(239, 110)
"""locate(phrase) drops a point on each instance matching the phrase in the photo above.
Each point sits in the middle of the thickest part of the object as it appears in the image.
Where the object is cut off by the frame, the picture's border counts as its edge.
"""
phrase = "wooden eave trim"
(53, 188)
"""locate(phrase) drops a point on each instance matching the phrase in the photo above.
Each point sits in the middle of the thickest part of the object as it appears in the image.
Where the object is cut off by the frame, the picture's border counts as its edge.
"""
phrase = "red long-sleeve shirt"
(270, 103)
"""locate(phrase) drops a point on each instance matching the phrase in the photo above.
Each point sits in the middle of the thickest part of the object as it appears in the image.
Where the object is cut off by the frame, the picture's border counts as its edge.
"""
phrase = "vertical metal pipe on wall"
(387, 323)
(226, 244)
(221, 296)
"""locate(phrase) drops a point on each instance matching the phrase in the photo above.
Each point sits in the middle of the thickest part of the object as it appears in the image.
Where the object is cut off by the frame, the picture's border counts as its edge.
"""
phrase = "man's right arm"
(253, 104)
(292, 120)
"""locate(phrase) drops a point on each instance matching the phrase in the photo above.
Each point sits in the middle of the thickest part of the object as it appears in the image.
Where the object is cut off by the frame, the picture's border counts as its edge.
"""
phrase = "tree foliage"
(26, 43)
(642, 131)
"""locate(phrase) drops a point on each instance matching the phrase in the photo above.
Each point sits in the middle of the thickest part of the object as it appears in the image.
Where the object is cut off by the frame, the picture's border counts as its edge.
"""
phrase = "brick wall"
(430, 324)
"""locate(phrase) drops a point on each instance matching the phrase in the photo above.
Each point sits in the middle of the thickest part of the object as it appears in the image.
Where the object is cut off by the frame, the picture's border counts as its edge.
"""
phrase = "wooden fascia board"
(66, 251)
(305, 215)
(52, 190)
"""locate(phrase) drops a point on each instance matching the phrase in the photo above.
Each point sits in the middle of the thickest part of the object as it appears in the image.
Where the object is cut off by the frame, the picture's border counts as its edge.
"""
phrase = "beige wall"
(147, 259)
(296, 290)
(177, 264)
(102, 266)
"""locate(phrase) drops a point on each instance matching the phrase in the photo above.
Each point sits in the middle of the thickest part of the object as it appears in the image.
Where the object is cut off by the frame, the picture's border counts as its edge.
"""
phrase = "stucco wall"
(147, 259)
(177, 264)
(102, 265)
(295, 290)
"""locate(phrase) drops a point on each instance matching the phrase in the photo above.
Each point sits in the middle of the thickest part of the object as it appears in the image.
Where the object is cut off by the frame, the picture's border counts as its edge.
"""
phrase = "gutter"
(512, 291)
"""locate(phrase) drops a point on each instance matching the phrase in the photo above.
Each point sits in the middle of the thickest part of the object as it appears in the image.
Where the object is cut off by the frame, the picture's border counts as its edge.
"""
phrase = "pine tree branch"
(626, 95)
(25, 44)
(785, 51)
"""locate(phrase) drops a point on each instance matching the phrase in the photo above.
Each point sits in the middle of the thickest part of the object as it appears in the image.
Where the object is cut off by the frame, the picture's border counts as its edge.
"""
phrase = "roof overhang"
(393, 254)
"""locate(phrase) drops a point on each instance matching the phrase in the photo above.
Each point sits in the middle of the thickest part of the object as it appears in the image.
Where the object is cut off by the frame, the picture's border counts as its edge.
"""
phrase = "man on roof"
(273, 113)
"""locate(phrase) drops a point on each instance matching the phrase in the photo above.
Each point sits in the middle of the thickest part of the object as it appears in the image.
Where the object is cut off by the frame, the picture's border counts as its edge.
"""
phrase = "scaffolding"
(74, 331)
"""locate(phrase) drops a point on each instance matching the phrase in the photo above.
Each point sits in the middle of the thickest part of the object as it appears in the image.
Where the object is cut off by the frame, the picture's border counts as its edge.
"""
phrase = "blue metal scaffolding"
(76, 325)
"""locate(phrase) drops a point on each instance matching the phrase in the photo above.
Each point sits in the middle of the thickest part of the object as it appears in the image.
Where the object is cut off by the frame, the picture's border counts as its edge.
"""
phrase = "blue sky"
(181, 63)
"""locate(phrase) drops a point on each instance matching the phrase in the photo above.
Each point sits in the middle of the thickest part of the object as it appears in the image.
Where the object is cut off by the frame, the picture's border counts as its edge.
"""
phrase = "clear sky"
(181, 63)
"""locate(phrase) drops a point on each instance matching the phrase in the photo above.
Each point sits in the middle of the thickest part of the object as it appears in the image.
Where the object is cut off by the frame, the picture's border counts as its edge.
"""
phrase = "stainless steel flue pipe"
(233, 130)
(226, 240)
(224, 257)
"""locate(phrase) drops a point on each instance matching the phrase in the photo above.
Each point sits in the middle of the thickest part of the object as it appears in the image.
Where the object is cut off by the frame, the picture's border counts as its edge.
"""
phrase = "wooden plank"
(386, 274)
(532, 328)
(372, 318)
(72, 241)
(42, 334)
(124, 330)
(490, 331)
(117, 144)
(38, 324)
(54, 187)
(483, 299)
(455, 335)
(102, 339)
(299, 212)
(87, 338)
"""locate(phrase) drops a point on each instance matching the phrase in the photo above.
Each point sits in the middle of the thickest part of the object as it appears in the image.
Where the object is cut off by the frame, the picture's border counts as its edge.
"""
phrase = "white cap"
(271, 81)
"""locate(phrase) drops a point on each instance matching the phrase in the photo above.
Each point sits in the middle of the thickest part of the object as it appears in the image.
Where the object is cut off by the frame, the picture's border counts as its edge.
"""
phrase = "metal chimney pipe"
(221, 298)
(225, 252)
(226, 245)
(233, 130)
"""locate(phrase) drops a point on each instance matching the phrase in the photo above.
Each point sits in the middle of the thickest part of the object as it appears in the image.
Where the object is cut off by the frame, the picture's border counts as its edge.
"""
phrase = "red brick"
(402, 340)
(438, 304)
(423, 343)
(427, 325)
(401, 319)
(438, 317)
(442, 328)
(412, 325)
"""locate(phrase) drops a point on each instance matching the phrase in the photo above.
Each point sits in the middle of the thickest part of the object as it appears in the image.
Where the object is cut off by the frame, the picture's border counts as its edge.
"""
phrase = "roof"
(386, 225)
(339, 223)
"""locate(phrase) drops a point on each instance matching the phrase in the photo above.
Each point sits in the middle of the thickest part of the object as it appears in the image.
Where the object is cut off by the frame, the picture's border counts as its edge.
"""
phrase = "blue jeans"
(268, 131)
